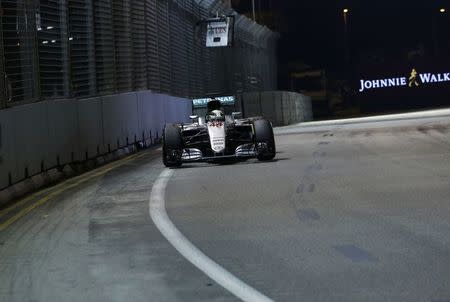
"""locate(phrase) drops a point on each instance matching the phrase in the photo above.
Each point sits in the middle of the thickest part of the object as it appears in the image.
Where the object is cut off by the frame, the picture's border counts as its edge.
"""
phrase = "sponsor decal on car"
(216, 124)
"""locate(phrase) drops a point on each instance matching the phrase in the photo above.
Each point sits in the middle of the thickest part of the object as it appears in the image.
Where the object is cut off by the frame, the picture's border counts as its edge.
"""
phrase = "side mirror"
(236, 115)
(193, 117)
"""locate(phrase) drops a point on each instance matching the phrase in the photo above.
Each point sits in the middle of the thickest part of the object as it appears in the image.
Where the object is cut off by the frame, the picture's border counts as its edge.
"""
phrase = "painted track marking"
(158, 213)
(60, 188)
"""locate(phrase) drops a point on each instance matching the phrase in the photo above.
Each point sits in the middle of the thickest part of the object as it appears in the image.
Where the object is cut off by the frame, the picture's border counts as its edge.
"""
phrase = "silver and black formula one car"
(218, 136)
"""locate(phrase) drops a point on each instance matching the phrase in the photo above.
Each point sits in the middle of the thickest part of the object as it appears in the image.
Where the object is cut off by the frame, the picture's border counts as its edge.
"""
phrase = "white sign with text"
(218, 33)
(415, 79)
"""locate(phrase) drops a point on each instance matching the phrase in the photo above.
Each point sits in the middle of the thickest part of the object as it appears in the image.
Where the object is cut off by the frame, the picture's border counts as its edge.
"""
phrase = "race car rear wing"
(199, 106)
(224, 100)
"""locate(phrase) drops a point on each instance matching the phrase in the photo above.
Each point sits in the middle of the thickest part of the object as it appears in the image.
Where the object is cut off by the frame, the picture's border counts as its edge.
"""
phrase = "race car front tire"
(172, 146)
(264, 140)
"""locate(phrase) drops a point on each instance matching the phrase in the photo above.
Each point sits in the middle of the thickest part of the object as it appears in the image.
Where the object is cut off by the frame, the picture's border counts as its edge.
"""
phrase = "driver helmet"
(214, 104)
(217, 113)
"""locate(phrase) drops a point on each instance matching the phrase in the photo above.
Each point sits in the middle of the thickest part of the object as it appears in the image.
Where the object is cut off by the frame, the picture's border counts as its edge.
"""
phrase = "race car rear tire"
(172, 146)
(264, 140)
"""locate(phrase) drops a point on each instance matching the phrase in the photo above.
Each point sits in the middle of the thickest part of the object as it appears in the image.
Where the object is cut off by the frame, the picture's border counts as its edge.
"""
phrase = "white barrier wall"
(40, 136)
(280, 107)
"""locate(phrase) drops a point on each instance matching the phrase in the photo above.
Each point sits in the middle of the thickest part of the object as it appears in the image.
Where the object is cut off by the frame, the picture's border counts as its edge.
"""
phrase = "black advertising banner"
(403, 86)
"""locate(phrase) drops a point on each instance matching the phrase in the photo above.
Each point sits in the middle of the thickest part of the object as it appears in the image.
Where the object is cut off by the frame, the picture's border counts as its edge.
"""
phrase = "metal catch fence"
(53, 49)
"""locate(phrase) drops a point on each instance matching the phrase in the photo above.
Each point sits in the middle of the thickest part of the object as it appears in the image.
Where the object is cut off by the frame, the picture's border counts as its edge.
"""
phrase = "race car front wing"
(242, 151)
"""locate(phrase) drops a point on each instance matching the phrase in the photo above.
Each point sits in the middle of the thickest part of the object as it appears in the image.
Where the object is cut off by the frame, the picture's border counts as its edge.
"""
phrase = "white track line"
(377, 118)
(221, 276)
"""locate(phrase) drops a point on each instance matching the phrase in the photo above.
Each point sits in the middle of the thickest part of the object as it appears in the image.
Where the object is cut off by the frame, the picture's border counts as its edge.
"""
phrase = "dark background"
(382, 38)
(313, 31)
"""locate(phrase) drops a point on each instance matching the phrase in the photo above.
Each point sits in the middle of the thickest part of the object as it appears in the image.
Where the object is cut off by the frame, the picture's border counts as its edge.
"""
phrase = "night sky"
(313, 31)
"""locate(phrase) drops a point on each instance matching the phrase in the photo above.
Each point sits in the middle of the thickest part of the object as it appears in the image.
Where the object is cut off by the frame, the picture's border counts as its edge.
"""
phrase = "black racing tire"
(172, 146)
(264, 134)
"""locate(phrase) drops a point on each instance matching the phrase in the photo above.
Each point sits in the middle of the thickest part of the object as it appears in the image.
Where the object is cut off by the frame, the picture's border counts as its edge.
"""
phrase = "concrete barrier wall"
(7, 153)
(120, 120)
(29, 152)
(63, 133)
(281, 107)
(90, 129)
(40, 136)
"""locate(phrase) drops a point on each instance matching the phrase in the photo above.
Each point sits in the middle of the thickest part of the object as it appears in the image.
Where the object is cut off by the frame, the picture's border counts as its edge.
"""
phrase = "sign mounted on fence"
(219, 32)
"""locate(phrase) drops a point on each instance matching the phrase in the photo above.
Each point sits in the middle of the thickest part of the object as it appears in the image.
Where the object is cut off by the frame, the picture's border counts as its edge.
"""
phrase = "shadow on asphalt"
(228, 163)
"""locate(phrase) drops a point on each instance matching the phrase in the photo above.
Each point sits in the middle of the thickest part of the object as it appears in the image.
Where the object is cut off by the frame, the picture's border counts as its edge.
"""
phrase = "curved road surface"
(353, 211)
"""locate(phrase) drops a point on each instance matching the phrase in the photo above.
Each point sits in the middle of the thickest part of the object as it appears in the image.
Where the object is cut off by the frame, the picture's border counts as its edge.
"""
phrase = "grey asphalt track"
(346, 212)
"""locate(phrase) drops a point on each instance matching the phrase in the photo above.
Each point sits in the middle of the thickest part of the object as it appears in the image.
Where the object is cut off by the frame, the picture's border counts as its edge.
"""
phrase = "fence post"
(91, 51)
(3, 92)
(64, 11)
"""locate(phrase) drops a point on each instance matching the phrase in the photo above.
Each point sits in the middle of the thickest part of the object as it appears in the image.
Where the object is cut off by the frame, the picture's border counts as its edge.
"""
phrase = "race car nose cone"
(216, 130)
